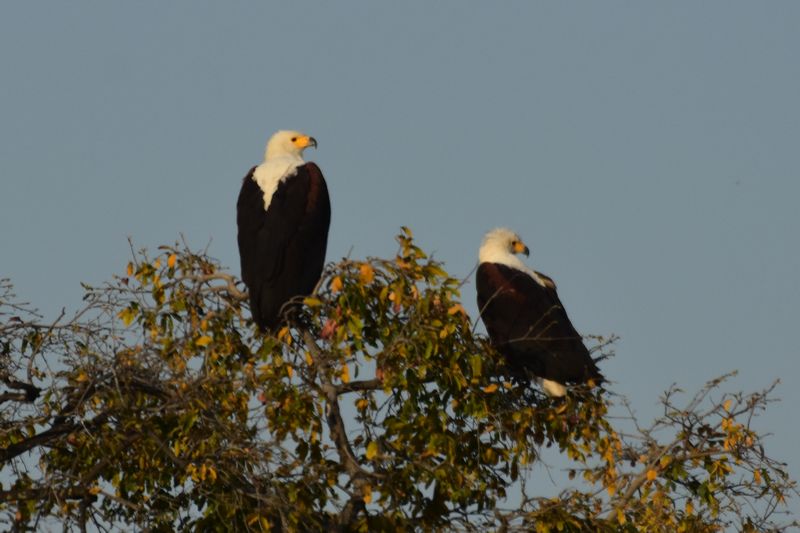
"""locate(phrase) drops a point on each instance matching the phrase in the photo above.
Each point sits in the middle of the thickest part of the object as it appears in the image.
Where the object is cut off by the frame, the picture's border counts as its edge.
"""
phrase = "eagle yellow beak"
(520, 248)
(304, 141)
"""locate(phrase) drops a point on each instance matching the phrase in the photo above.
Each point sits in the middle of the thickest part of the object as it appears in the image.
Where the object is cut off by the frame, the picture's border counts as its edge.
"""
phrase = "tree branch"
(354, 386)
(30, 394)
(40, 439)
(333, 417)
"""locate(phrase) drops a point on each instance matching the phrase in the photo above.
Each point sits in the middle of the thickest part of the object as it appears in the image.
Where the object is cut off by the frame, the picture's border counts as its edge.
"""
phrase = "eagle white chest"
(269, 174)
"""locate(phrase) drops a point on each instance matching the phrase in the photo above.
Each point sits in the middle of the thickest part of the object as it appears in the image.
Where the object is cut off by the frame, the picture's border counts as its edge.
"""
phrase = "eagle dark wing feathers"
(527, 323)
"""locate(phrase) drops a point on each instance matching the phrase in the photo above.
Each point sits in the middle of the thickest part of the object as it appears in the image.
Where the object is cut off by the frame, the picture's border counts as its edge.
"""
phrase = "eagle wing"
(528, 324)
(282, 248)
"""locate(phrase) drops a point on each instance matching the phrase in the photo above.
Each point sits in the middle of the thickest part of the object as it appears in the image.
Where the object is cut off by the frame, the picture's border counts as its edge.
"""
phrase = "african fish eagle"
(283, 214)
(525, 319)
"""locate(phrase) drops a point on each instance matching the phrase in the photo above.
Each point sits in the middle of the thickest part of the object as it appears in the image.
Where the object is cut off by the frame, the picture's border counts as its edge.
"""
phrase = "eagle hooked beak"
(304, 141)
(520, 248)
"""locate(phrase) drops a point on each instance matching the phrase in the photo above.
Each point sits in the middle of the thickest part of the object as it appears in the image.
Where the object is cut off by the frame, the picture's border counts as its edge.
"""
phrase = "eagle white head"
(500, 246)
(284, 154)
(288, 144)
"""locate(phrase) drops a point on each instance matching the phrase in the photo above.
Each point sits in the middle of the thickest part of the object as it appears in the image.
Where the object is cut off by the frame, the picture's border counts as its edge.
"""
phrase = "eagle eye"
(294, 139)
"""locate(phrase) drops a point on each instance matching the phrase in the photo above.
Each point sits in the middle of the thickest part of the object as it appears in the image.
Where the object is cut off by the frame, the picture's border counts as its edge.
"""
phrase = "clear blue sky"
(647, 152)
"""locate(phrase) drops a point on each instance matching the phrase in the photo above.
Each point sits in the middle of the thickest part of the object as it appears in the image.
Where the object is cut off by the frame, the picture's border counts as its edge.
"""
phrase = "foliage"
(159, 406)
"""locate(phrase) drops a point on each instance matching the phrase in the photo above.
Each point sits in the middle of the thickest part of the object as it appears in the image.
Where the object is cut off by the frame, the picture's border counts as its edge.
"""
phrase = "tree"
(157, 405)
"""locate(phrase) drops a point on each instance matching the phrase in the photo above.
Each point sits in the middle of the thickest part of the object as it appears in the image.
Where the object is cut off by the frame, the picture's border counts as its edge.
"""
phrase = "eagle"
(525, 319)
(283, 214)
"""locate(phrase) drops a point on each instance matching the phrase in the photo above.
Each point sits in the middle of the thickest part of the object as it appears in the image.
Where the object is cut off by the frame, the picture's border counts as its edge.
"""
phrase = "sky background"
(648, 153)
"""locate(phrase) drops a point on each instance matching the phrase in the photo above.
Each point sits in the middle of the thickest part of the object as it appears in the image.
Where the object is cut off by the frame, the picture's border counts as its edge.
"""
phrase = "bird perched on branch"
(526, 320)
(283, 214)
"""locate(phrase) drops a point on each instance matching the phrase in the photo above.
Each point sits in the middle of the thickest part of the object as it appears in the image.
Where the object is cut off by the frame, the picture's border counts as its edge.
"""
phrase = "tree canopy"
(158, 405)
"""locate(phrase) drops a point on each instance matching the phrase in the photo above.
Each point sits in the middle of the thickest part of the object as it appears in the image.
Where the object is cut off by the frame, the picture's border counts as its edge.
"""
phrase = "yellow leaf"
(372, 450)
(171, 261)
(457, 308)
(727, 404)
(127, 315)
(81, 377)
(336, 284)
(490, 388)
(130, 269)
(609, 455)
(205, 340)
(757, 477)
(689, 507)
(312, 302)
(283, 332)
(621, 517)
(651, 475)
(366, 274)
(362, 404)
(309, 359)
(289, 370)
(345, 375)
(611, 490)
(666, 460)
(366, 490)
(94, 490)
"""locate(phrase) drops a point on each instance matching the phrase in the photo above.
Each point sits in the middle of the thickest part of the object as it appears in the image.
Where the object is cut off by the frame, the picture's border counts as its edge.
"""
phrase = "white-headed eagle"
(525, 319)
(283, 214)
